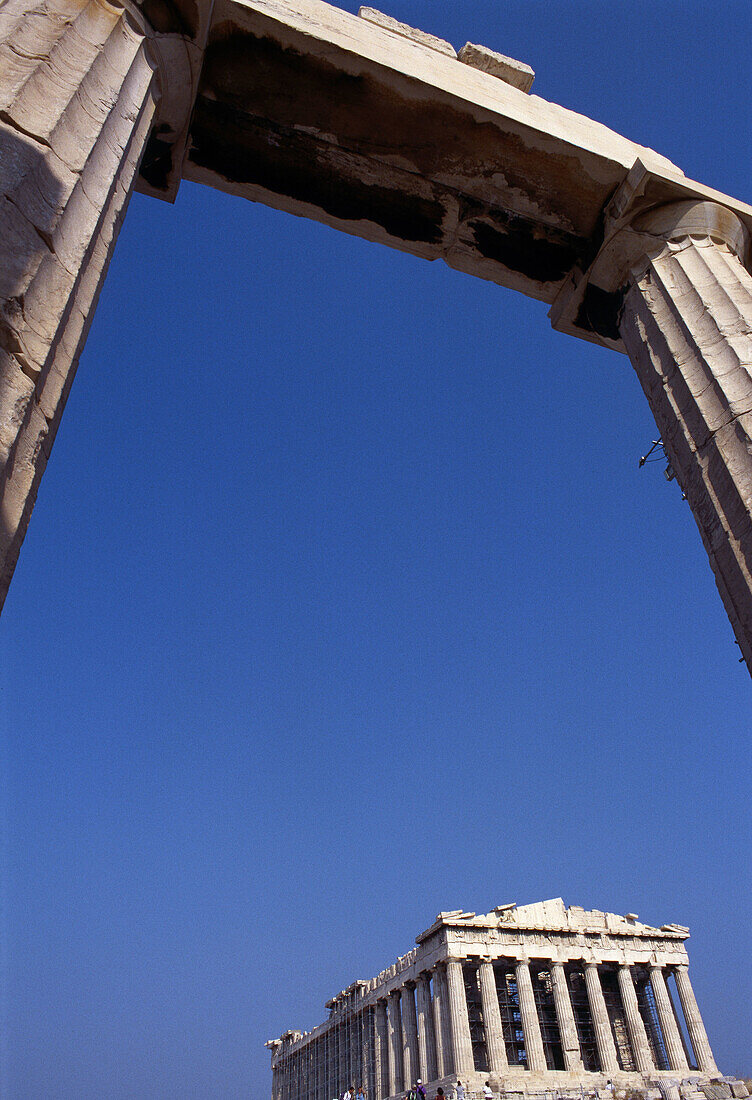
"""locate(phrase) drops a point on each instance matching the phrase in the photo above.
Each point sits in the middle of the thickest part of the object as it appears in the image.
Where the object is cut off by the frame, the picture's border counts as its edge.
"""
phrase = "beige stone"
(404, 31)
(516, 73)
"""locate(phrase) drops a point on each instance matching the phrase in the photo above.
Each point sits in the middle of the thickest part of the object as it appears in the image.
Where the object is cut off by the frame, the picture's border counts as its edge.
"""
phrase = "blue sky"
(345, 601)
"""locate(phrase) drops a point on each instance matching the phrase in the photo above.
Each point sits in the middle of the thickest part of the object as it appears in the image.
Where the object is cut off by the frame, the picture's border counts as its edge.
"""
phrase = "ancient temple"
(528, 997)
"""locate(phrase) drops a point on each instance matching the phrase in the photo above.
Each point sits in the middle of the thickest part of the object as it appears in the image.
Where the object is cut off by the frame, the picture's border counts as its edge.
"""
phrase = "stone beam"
(334, 117)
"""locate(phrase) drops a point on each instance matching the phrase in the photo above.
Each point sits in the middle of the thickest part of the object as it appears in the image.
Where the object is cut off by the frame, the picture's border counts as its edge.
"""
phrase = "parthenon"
(524, 996)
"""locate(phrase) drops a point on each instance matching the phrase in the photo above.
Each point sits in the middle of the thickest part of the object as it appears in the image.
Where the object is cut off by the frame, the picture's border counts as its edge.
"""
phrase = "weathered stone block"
(516, 73)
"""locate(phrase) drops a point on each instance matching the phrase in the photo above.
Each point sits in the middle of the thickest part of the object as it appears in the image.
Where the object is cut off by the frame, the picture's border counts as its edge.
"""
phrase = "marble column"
(695, 1025)
(395, 1044)
(671, 1037)
(440, 1028)
(536, 1058)
(462, 1050)
(426, 1038)
(686, 322)
(601, 1023)
(495, 1048)
(409, 1037)
(570, 1040)
(380, 1055)
(78, 94)
(635, 1024)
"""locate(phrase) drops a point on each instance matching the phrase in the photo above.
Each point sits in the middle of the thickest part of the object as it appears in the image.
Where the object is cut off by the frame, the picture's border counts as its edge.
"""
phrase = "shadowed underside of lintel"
(324, 114)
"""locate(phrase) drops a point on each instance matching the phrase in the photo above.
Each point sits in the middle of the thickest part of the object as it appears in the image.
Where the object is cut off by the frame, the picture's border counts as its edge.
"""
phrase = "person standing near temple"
(487, 1093)
(459, 1089)
(420, 1089)
(360, 1094)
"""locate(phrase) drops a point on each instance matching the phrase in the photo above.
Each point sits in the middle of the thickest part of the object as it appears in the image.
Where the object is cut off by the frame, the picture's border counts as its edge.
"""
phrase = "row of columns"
(429, 1036)
(420, 1032)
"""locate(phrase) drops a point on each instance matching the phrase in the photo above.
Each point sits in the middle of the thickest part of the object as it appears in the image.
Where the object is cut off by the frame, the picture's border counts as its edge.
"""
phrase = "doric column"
(440, 1024)
(395, 1044)
(462, 1050)
(380, 1055)
(671, 1037)
(78, 92)
(426, 1039)
(635, 1025)
(695, 1026)
(409, 1037)
(601, 1024)
(497, 1052)
(570, 1041)
(685, 322)
(536, 1058)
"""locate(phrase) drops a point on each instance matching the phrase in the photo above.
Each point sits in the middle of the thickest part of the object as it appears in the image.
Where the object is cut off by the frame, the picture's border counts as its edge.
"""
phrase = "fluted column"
(635, 1024)
(536, 1058)
(440, 1024)
(695, 1025)
(601, 1024)
(395, 1044)
(671, 1037)
(462, 1050)
(380, 1055)
(78, 91)
(570, 1041)
(686, 321)
(409, 1037)
(497, 1052)
(426, 1038)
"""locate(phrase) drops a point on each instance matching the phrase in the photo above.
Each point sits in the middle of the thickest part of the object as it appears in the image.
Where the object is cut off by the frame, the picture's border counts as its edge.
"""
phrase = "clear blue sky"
(344, 601)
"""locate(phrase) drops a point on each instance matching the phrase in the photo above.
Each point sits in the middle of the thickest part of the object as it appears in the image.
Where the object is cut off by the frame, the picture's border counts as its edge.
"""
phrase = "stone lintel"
(383, 138)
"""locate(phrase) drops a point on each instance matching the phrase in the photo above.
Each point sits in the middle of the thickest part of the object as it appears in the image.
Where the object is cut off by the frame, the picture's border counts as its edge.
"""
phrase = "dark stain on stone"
(542, 254)
(600, 312)
(172, 16)
(156, 163)
(391, 117)
(297, 165)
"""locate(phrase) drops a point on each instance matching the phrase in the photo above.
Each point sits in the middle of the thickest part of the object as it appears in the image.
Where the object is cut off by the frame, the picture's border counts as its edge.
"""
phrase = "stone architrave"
(672, 1039)
(536, 1057)
(635, 1024)
(78, 95)
(695, 1026)
(395, 1044)
(601, 1023)
(495, 1048)
(409, 1037)
(462, 1051)
(570, 1041)
(426, 1039)
(443, 1048)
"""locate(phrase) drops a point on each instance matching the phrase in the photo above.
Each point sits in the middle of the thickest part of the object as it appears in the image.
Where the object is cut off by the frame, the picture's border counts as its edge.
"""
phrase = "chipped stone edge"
(516, 73)
(387, 23)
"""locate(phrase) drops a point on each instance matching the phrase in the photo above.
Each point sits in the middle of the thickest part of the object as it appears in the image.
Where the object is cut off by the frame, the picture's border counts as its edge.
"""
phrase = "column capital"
(643, 214)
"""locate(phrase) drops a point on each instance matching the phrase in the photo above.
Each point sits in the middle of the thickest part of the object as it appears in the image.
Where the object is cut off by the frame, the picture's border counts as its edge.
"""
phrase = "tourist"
(487, 1093)
(439, 1094)
(459, 1089)
(361, 1094)
(413, 1093)
(420, 1090)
